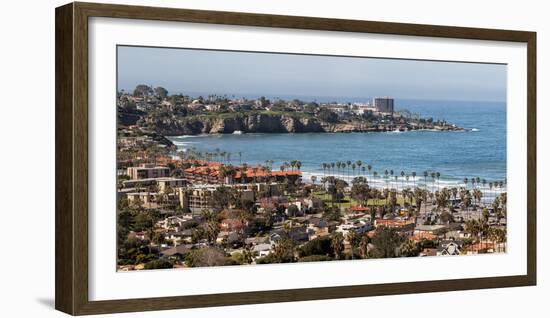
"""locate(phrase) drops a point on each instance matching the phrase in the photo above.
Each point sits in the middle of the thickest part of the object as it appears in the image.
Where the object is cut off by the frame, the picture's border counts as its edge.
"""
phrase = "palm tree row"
(343, 168)
(216, 155)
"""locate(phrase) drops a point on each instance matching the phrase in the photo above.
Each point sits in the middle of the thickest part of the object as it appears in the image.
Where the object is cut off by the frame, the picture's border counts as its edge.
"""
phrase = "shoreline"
(461, 130)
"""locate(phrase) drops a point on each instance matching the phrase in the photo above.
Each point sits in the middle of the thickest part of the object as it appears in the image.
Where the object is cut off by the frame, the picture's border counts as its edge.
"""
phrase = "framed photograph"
(211, 158)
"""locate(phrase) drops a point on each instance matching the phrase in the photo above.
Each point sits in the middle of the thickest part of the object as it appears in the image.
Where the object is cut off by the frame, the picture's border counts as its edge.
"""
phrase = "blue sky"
(244, 73)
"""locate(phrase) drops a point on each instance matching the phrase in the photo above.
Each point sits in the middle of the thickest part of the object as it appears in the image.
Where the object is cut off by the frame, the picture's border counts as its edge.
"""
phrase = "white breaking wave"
(402, 183)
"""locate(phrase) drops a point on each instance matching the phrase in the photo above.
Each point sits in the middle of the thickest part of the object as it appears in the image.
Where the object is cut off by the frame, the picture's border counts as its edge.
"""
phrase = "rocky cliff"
(257, 123)
(270, 123)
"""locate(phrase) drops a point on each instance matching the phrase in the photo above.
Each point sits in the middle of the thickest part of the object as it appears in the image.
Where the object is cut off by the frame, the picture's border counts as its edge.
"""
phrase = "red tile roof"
(213, 168)
(393, 223)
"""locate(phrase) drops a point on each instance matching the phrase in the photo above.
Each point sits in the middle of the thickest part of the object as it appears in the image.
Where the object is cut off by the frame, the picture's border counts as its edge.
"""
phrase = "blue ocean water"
(480, 152)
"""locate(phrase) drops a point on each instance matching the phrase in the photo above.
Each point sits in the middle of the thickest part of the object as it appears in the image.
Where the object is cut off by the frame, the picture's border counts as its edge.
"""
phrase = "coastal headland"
(183, 115)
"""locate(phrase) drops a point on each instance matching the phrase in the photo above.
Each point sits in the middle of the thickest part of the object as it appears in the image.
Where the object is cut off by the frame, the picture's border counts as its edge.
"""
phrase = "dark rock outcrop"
(257, 123)
(270, 123)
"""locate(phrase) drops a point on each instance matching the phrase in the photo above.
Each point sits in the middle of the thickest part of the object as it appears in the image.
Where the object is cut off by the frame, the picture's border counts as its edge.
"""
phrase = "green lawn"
(349, 202)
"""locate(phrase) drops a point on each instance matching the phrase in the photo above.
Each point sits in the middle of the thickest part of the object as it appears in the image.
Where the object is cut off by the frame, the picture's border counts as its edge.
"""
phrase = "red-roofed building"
(233, 225)
(204, 172)
(403, 226)
(359, 208)
(394, 223)
(418, 237)
(481, 247)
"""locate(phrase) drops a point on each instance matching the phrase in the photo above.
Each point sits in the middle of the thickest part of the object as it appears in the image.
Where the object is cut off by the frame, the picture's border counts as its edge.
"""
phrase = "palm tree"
(472, 227)
(414, 178)
(483, 183)
(359, 163)
(352, 238)
(466, 182)
(477, 196)
(337, 244)
(313, 179)
(425, 179)
(332, 164)
(386, 193)
(369, 167)
(343, 164)
(402, 176)
(353, 166)
(437, 175)
(364, 246)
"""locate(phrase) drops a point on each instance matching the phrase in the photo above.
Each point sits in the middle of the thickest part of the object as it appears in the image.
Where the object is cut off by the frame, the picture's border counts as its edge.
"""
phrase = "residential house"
(449, 247)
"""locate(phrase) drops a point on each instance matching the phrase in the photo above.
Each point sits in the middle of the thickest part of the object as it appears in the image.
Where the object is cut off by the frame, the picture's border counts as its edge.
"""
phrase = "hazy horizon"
(253, 74)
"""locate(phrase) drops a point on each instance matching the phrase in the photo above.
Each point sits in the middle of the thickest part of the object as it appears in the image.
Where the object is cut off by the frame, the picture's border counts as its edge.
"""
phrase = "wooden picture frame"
(71, 290)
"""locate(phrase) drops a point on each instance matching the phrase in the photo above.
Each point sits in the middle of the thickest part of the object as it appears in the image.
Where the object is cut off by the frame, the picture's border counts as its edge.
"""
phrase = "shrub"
(315, 258)
(158, 264)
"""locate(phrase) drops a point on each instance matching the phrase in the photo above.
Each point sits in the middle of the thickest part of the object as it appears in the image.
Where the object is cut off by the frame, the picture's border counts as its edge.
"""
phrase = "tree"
(393, 199)
(158, 264)
(161, 92)
(353, 239)
(318, 246)
(477, 195)
(419, 198)
(283, 252)
(446, 217)
(315, 258)
(337, 244)
(313, 179)
(245, 257)
(425, 174)
(210, 231)
(327, 115)
(222, 197)
(386, 241)
(360, 190)
(292, 210)
(143, 90)
(364, 245)
(473, 227)
(143, 221)
(409, 249)
(209, 256)
(332, 214)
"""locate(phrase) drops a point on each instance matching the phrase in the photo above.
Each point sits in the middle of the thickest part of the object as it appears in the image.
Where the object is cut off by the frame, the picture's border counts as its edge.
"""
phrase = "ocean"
(478, 152)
